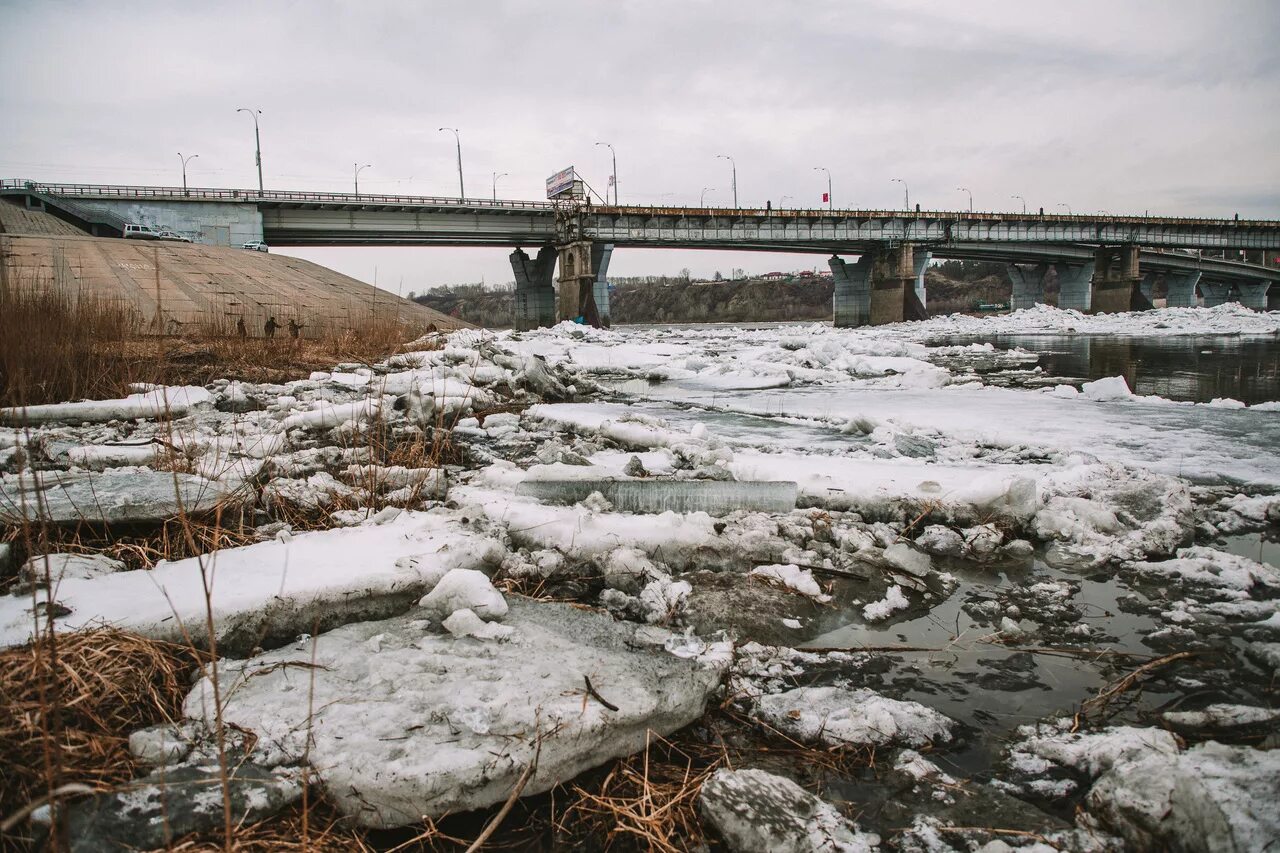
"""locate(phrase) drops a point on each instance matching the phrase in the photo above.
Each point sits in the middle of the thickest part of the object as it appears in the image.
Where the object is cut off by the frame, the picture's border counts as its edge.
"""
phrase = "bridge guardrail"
(241, 195)
(214, 194)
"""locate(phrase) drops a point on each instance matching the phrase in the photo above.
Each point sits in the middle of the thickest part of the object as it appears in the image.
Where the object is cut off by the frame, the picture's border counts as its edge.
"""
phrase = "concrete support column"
(893, 275)
(1028, 285)
(577, 284)
(600, 255)
(884, 286)
(1253, 294)
(1075, 291)
(535, 303)
(916, 307)
(1215, 292)
(1180, 289)
(851, 297)
(1115, 279)
(1143, 297)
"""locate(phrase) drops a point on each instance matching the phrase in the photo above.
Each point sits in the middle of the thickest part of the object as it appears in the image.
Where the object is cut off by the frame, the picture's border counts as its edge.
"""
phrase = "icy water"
(955, 663)
(1197, 369)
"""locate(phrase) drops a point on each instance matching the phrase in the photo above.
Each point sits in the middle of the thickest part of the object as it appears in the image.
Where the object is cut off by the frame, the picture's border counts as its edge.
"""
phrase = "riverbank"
(686, 586)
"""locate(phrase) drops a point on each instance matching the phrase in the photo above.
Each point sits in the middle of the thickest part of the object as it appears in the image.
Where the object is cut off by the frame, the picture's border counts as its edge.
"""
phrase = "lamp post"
(1067, 206)
(357, 169)
(614, 154)
(462, 193)
(906, 192)
(830, 198)
(1021, 199)
(497, 175)
(782, 202)
(966, 190)
(185, 160)
(734, 164)
(257, 142)
(702, 200)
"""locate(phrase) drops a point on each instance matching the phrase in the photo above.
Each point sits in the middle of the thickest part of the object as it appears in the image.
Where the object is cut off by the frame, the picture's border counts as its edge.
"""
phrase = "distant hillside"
(954, 286)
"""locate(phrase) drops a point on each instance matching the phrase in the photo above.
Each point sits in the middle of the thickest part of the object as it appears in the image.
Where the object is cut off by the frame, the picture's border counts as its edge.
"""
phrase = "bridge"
(1102, 263)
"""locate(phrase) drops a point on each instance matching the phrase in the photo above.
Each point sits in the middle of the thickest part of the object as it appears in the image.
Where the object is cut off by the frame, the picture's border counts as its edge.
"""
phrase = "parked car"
(255, 245)
(140, 232)
(166, 234)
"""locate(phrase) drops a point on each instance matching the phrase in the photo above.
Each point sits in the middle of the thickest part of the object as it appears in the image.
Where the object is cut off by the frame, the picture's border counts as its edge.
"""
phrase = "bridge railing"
(287, 196)
(237, 195)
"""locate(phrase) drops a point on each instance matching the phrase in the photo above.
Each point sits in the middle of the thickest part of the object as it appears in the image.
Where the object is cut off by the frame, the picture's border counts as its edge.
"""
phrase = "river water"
(1196, 369)
(988, 686)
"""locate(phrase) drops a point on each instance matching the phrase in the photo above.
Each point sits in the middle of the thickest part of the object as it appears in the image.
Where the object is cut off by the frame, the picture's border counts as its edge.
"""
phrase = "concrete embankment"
(180, 287)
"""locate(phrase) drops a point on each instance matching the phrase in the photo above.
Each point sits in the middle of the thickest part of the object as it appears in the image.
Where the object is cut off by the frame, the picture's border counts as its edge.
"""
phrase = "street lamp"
(966, 190)
(702, 201)
(257, 142)
(614, 154)
(461, 192)
(497, 175)
(1021, 199)
(830, 199)
(782, 202)
(185, 160)
(1067, 206)
(357, 169)
(734, 164)
(906, 192)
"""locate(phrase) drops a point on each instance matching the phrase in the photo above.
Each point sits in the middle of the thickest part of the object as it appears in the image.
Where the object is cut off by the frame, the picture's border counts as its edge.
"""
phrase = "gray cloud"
(1161, 106)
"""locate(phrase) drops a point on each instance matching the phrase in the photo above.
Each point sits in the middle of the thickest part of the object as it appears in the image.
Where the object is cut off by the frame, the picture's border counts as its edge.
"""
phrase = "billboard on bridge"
(560, 182)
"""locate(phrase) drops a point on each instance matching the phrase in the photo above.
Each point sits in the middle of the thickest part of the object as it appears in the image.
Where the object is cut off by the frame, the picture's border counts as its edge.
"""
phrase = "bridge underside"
(1094, 260)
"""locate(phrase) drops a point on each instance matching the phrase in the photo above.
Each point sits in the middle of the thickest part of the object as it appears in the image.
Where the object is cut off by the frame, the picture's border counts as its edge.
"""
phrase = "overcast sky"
(1166, 106)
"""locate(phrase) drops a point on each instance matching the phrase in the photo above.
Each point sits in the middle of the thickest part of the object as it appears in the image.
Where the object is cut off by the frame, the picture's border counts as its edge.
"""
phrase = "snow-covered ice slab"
(759, 812)
(890, 489)
(1211, 797)
(1202, 443)
(116, 496)
(168, 402)
(714, 497)
(839, 717)
(407, 722)
(270, 590)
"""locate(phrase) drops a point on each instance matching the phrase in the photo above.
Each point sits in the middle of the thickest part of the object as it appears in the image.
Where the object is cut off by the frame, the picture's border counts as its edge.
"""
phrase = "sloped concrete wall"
(179, 287)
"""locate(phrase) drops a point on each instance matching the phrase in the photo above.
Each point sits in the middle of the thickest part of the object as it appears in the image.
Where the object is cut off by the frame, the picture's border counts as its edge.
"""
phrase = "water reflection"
(1179, 368)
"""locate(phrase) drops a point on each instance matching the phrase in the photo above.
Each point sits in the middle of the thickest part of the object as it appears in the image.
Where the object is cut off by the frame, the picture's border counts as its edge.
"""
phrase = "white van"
(140, 232)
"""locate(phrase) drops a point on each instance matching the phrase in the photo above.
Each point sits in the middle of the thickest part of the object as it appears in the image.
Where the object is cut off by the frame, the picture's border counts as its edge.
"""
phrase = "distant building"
(775, 276)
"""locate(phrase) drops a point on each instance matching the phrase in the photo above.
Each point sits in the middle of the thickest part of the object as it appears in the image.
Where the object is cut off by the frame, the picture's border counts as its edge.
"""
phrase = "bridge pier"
(1253, 294)
(1180, 289)
(1075, 289)
(577, 284)
(851, 297)
(893, 278)
(535, 304)
(1115, 279)
(917, 307)
(1028, 285)
(1144, 296)
(600, 255)
(883, 286)
(1215, 292)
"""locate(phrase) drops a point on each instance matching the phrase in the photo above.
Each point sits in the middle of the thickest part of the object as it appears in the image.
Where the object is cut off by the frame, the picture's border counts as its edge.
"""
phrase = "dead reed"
(58, 345)
(101, 685)
(647, 802)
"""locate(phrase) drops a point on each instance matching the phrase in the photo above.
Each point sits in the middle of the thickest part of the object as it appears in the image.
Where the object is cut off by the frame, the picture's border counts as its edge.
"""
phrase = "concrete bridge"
(1102, 263)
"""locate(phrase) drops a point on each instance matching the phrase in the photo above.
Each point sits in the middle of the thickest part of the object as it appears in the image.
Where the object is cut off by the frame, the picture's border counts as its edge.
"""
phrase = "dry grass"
(648, 801)
(66, 711)
(57, 345)
(320, 829)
